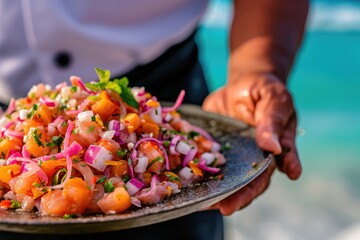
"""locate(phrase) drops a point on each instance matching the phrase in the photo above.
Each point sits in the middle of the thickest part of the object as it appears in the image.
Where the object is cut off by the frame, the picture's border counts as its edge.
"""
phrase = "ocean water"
(325, 83)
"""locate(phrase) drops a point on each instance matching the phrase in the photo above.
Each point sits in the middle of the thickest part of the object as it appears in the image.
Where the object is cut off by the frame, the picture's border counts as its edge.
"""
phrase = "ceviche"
(98, 147)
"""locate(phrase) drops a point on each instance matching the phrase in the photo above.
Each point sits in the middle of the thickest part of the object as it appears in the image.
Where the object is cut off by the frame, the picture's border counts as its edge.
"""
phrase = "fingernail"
(271, 142)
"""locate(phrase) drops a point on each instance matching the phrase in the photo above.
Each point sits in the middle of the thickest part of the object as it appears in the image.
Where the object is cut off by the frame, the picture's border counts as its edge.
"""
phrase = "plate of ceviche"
(115, 157)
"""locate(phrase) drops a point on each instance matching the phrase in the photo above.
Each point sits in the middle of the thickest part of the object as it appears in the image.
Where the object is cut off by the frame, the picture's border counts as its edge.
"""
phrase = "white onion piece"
(156, 114)
(2, 162)
(85, 116)
(10, 195)
(133, 186)
(208, 157)
(186, 173)
(183, 147)
(96, 156)
(136, 202)
(108, 134)
(23, 114)
(88, 174)
(141, 165)
(216, 147)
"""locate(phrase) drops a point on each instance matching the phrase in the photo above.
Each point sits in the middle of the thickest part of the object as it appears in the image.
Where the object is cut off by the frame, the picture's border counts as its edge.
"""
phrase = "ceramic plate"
(245, 161)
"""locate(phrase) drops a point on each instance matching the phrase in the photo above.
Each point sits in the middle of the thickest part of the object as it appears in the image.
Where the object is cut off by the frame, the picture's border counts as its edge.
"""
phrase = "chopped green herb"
(122, 152)
(40, 162)
(109, 187)
(33, 110)
(225, 147)
(192, 134)
(15, 204)
(93, 118)
(126, 178)
(166, 143)
(35, 184)
(120, 86)
(101, 180)
(73, 89)
(55, 141)
(37, 137)
(68, 216)
(157, 159)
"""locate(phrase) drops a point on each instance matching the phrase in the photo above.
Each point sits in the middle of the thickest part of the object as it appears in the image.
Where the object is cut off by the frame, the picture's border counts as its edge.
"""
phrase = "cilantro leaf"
(120, 86)
(126, 93)
(104, 75)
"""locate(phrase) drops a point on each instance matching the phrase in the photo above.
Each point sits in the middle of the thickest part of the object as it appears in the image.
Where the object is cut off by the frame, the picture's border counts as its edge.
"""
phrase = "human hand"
(261, 100)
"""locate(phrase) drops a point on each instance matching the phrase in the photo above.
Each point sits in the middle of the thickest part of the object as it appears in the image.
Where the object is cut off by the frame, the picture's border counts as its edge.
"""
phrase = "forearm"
(265, 36)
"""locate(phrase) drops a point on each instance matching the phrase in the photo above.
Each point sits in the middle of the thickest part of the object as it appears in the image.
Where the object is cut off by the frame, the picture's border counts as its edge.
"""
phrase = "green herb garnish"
(109, 187)
(120, 86)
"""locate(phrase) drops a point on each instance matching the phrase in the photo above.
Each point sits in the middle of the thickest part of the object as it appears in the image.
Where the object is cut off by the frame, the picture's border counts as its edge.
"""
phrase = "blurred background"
(325, 82)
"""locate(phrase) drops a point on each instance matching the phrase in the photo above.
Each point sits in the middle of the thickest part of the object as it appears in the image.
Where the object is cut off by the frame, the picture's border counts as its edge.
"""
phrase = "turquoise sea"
(325, 82)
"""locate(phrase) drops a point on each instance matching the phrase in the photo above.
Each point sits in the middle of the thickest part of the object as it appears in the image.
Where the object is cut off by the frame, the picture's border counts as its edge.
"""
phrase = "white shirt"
(112, 34)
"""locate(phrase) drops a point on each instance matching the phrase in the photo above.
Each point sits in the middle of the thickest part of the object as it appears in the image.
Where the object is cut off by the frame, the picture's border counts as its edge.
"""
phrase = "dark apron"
(176, 69)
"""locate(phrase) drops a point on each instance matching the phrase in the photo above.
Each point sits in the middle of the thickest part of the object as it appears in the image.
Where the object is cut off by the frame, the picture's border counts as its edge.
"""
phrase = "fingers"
(245, 195)
(215, 103)
(272, 115)
(288, 161)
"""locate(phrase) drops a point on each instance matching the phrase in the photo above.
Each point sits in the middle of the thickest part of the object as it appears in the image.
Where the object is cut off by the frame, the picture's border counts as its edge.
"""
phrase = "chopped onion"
(48, 102)
(160, 145)
(12, 106)
(4, 121)
(216, 147)
(183, 147)
(202, 132)
(85, 116)
(108, 134)
(173, 144)
(213, 170)
(186, 173)
(156, 114)
(13, 134)
(71, 150)
(177, 104)
(208, 157)
(23, 114)
(135, 201)
(88, 174)
(190, 156)
(141, 164)
(96, 156)
(134, 185)
(76, 81)
(115, 125)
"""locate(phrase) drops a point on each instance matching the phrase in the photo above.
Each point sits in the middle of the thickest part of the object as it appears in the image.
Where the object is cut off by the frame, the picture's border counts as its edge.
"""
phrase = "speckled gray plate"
(238, 171)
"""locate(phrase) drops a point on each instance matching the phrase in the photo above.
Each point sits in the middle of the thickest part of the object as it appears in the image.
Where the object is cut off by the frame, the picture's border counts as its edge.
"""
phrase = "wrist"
(260, 55)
